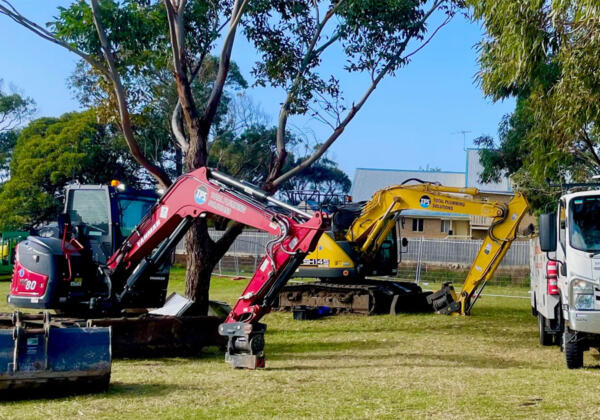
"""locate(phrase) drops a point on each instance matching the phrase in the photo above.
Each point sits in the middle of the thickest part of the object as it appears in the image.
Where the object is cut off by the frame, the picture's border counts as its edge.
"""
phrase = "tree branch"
(12, 13)
(177, 128)
(115, 78)
(224, 62)
(355, 108)
(336, 133)
(444, 23)
(590, 146)
(285, 107)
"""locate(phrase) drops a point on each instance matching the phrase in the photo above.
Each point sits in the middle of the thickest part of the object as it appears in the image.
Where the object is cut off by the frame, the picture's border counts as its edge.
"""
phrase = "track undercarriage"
(360, 296)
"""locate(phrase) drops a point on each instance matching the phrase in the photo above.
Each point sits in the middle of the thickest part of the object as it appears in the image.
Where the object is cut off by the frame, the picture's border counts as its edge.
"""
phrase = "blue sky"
(410, 121)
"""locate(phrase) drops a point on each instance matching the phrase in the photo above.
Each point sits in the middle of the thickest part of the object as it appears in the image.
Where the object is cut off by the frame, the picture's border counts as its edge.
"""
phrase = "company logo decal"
(201, 194)
(22, 272)
(425, 201)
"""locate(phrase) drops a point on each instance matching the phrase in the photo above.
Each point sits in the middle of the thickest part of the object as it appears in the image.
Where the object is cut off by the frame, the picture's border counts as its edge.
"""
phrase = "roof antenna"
(464, 134)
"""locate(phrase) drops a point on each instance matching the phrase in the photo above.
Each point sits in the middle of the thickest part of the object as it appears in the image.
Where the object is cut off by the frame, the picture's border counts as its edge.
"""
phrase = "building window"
(417, 225)
(446, 226)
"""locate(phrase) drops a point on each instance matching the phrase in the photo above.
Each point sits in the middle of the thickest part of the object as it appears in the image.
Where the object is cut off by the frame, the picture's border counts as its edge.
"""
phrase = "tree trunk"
(200, 264)
(178, 161)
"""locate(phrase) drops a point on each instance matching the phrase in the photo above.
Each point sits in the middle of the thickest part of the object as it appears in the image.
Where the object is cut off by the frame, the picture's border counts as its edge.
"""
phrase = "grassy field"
(407, 366)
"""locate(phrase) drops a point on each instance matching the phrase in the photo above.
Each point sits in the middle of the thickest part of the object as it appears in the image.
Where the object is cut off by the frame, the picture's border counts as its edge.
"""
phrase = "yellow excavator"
(362, 243)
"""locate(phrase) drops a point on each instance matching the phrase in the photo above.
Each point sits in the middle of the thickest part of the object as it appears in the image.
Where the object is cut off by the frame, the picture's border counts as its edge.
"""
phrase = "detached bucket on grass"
(38, 358)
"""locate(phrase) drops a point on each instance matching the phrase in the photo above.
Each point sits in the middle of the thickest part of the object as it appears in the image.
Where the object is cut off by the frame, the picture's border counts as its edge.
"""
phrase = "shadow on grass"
(423, 360)
(175, 361)
(120, 389)
(285, 349)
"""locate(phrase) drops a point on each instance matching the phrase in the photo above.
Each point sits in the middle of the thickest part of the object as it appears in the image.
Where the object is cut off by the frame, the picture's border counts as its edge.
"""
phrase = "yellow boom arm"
(380, 213)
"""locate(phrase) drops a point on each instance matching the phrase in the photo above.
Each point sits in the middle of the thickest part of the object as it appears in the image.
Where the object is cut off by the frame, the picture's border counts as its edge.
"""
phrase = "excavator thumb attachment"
(444, 300)
(39, 358)
(245, 344)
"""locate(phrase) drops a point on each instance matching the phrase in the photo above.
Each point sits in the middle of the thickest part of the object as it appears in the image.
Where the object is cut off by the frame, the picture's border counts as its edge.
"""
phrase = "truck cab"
(569, 307)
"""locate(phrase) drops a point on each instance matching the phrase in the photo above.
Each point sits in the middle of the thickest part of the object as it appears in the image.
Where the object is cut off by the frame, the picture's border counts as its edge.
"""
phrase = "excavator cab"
(95, 221)
(104, 215)
(386, 259)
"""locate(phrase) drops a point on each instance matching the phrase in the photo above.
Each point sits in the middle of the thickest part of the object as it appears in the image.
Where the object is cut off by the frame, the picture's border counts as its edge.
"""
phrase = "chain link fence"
(243, 256)
(424, 260)
(441, 260)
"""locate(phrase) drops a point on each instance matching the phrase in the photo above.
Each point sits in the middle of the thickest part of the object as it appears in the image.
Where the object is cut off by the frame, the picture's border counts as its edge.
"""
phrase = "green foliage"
(372, 34)
(49, 153)
(546, 54)
(323, 177)
(14, 110)
(249, 155)
(245, 156)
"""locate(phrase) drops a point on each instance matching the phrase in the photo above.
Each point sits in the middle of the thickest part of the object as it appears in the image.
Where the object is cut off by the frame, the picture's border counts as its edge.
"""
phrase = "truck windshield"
(584, 223)
(131, 211)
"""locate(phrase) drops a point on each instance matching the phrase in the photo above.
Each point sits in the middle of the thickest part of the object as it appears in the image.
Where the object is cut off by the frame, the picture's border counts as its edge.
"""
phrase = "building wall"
(460, 228)
(478, 234)
(432, 228)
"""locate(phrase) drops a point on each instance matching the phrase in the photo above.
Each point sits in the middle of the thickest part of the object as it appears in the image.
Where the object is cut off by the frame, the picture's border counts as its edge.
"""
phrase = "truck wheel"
(545, 338)
(573, 350)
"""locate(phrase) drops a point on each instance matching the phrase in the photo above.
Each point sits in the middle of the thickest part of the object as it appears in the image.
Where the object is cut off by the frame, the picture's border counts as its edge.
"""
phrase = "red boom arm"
(197, 194)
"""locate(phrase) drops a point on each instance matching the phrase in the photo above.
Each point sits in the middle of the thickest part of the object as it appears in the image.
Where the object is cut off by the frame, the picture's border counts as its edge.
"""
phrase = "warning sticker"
(164, 212)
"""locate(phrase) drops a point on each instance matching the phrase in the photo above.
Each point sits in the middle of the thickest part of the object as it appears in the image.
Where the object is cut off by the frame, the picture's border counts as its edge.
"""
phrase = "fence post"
(419, 258)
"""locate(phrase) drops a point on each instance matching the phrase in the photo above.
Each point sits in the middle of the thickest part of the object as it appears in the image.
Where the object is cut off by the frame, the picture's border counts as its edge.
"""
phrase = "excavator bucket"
(37, 357)
(444, 301)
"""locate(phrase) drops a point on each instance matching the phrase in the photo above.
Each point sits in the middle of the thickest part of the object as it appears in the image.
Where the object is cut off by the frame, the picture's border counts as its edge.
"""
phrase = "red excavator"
(73, 275)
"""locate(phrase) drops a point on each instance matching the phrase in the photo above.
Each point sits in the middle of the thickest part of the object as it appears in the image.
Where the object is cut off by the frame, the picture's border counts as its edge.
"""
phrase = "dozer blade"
(38, 358)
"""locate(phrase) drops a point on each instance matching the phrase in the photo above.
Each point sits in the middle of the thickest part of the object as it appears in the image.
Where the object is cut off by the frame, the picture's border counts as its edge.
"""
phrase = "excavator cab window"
(388, 254)
(88, 210)
(131, 211)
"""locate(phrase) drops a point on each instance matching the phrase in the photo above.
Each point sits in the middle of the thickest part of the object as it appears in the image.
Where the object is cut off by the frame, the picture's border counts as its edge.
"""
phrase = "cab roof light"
(117, 184)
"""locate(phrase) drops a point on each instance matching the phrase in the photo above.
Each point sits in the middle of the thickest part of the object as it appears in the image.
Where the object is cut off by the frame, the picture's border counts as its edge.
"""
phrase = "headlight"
(583, 287)
(583, 295)
(584, 302)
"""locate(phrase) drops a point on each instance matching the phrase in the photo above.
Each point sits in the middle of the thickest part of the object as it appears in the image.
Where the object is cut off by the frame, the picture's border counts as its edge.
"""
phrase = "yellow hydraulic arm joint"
(381, 212)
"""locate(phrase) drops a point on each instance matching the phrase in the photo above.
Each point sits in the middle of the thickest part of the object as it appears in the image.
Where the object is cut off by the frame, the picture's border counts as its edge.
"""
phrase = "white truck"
(565, 275)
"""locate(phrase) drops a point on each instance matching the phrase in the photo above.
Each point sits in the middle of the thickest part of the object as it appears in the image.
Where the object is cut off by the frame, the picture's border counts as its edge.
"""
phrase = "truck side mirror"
(547, 224)
(404, 242)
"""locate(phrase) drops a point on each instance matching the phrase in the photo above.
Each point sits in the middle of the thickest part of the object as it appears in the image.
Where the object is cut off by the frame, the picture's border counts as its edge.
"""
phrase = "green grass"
(407, 366)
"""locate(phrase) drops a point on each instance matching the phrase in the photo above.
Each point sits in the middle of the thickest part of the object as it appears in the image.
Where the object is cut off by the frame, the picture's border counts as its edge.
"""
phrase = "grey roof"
(369, 180)
(473, 171)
